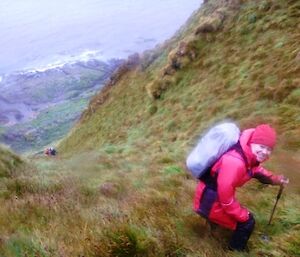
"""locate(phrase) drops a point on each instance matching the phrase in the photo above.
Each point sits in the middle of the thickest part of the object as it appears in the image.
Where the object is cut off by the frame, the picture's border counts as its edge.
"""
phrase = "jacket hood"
(245, 144)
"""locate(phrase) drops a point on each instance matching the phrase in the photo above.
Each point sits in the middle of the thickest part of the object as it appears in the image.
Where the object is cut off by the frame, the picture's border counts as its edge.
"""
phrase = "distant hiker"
(50, 151)
(215, 193)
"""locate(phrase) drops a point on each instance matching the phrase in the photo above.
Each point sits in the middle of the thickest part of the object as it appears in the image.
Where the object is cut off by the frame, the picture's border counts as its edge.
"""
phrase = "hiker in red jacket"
(215, 194)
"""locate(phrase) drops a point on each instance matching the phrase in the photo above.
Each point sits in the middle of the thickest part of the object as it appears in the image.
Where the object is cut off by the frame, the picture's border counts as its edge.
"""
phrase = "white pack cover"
(211, 147)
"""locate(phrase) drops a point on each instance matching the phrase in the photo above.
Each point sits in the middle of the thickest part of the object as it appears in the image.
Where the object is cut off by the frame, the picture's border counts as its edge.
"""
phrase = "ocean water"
(40, 34)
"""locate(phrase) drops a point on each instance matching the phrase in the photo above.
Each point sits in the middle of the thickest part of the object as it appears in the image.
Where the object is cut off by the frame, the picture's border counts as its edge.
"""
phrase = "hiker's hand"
(283, 180)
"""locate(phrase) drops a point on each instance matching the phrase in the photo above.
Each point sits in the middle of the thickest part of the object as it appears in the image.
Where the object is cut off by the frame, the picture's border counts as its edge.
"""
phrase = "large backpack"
(217, 141)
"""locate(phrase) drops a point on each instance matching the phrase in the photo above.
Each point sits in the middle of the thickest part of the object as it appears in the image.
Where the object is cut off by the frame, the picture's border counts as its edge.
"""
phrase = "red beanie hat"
(264, 134)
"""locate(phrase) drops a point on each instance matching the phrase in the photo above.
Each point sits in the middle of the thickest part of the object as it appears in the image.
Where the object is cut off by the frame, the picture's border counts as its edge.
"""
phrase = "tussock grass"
(120, 188)
(79, 207)
(10, 163)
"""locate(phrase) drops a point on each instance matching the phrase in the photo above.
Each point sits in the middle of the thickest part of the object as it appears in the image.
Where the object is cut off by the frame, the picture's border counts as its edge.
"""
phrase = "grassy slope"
(9, 163)
(123, 190)
(249, 71)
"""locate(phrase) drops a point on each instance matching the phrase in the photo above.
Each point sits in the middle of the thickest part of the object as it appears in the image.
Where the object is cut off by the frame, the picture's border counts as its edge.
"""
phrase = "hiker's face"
(261, 152)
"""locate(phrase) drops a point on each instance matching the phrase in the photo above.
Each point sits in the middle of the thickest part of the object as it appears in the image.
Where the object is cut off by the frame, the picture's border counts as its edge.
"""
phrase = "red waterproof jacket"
(218, 202)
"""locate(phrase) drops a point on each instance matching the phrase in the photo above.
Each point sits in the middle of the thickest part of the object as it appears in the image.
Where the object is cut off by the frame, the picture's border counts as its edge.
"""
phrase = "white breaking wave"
(40, 34)
(63, 60)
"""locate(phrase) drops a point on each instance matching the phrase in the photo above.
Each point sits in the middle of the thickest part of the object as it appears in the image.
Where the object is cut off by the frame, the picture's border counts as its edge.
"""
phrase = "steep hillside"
(239, 61)
(233, 59)
(118, 186)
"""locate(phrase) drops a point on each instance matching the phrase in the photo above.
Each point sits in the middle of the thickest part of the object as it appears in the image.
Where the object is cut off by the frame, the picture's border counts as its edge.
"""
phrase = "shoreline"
(40, 106)
(59, 62)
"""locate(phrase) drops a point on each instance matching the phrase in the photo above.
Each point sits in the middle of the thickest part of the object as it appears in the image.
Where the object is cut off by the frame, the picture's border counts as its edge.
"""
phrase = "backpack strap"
(211, 182)
(239, 149)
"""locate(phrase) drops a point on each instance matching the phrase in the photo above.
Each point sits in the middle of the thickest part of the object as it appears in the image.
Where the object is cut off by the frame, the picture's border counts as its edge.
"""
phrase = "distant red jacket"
(219, 204)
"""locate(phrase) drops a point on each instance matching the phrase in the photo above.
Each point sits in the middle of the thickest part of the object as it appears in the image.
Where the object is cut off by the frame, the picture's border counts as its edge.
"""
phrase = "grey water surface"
(41, 34)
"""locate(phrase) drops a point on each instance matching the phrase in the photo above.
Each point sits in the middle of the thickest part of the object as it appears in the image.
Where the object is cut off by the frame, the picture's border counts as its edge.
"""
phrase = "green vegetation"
(57, 97)
(9, 163)
(49, 125)
(247, 70)
(119, 187)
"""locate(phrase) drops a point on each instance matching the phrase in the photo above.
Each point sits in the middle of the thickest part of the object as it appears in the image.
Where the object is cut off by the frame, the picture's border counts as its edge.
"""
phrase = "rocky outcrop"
(210, 24)
(217, 12)
(180, 57)
(132, 62)
(188, 50)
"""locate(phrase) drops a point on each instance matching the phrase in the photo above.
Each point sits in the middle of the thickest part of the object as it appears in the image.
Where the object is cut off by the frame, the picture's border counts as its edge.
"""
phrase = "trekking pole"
(278, 197)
